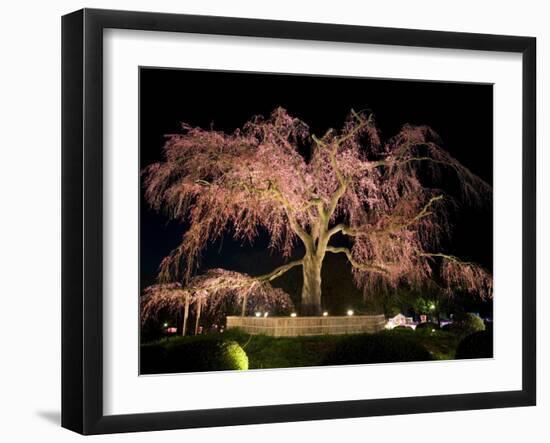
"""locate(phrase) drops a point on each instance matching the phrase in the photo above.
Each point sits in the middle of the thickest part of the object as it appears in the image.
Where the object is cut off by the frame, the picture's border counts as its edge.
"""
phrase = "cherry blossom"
(211, 293)
(385, 197)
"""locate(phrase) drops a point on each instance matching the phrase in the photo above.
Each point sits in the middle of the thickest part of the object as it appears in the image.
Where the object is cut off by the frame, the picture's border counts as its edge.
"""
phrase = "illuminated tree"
(352, 184)
(210, 293)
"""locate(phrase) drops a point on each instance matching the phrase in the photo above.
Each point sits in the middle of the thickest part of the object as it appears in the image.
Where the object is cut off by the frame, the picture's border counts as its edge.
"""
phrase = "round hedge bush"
(200, 354)
(476, 345)
(206, 355)
(427, 326)
(466, 324)
(376, 348)
(403, 328)
(152, 359)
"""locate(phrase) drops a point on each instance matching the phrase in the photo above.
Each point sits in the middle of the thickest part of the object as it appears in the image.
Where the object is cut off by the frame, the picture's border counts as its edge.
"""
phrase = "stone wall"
(295, 326)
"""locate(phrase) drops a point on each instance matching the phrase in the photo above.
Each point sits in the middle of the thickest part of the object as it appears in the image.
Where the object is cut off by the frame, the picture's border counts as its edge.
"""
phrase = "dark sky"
(462, 114)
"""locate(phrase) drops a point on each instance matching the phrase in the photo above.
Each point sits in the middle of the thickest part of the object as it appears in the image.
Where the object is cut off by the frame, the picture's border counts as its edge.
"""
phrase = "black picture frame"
(82, 219)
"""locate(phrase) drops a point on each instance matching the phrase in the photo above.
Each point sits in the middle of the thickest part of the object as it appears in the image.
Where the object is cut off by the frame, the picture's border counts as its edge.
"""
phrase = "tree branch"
(290, 212)
(424, 212)
(342, 186)
(362, 123)
(276, 273)
(272, 191)
(451, 258)
(363, 266)
(458, 274)
(341, 227)
(356, 232)
(264, 278)
(340, 191)
(380, 163)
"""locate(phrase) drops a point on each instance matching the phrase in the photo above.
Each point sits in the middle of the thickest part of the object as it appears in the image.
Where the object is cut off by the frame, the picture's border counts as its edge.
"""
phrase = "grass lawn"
(289, 352)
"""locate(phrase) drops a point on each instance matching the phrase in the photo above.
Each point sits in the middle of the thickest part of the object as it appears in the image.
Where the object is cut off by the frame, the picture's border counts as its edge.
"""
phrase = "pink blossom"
(374, 192)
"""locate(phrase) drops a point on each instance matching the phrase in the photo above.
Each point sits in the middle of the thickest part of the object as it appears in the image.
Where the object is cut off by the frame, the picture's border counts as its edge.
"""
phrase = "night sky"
(462, 115)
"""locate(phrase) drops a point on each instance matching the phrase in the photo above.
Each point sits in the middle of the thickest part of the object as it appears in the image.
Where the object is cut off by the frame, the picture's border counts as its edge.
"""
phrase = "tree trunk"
(245, 300)
(198, 315)
(185, 315)
(311, 289)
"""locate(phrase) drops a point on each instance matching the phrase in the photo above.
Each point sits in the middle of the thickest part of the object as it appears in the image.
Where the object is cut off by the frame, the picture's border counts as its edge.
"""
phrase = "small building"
(400, 320)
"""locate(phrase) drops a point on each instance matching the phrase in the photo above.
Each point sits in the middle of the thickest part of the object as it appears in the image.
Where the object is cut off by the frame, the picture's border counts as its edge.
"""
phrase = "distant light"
(258, 314)
(350, 312)
(432, 306)
(433, 330)
(171, 330)
(293, 314)
(325, 314)
(266, 314)
(165, 325)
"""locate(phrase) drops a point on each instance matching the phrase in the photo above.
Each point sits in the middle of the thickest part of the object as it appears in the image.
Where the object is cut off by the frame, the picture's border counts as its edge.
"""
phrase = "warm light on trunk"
(311, 289)
(185, 315)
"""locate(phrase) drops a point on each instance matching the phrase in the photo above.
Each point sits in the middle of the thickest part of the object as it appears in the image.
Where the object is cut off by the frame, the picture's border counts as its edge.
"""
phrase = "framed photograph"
(269, 221)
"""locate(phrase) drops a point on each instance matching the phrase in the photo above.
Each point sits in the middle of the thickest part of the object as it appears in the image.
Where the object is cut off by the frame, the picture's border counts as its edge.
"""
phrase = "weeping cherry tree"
(380, 195)
(210, 294)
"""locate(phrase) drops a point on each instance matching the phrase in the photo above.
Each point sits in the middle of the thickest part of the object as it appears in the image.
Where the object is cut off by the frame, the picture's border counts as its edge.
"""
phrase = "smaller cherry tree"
(211, 293)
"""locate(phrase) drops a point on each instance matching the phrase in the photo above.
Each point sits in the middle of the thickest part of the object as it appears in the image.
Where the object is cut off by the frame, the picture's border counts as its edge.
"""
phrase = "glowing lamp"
(325, 314)
(293, 314)
(258, 314)
(265, 314)
(350, 312)
(165, 325)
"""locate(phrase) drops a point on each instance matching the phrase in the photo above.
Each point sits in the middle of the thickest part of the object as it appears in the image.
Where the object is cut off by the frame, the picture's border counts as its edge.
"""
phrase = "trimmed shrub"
(403, 328)
(385, 347)
(427, 326)
(192, 356)
(152, 359)
(206, 355)
(466, 324)
(476, 345)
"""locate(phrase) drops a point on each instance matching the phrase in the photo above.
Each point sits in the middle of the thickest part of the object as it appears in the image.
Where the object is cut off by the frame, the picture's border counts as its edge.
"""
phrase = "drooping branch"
(251, 179)
(340, 191)
(291, 214)
(168, 297)
(416, 145)
(448, 257)
(228, 287)
(332, 147)
(270, 191)
(464, 275)
(216, 290)
(393, 226)
(276, 273)
(235, 281)
(362, 122)
(371, 267)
